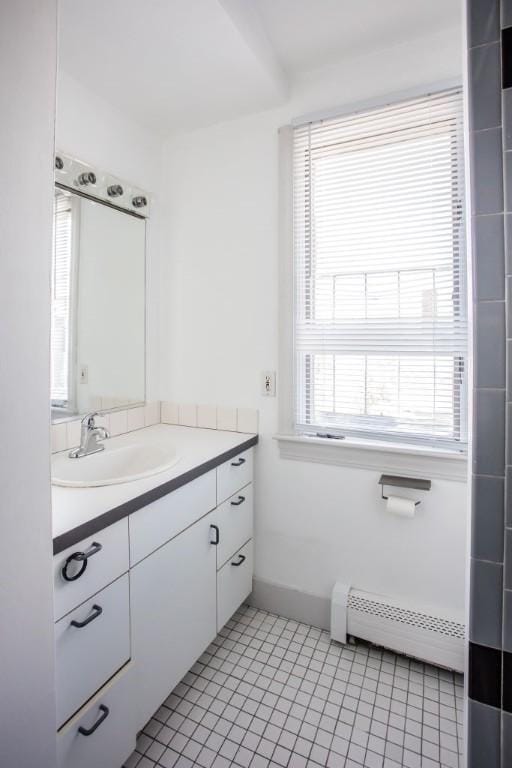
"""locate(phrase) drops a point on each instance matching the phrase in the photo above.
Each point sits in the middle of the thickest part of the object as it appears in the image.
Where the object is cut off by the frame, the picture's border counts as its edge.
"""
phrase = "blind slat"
(380, 274)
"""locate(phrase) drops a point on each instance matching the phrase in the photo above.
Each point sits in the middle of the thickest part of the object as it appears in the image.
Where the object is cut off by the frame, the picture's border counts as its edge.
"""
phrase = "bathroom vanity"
(146, 573)
(153, 529)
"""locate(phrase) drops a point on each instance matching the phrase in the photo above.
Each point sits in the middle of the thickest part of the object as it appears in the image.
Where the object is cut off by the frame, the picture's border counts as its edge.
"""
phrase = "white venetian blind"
(61, 300)
(380, 283)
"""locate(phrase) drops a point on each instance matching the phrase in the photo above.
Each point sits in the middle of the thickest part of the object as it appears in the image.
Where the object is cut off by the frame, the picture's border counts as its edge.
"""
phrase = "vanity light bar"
(77, 175)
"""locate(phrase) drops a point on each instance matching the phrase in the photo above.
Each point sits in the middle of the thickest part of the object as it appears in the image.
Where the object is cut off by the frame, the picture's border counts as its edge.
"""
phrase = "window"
(380, 332)
(62, 286)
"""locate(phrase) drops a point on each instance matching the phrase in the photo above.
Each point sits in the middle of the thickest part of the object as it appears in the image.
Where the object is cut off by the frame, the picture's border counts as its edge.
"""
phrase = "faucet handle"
(88, 419)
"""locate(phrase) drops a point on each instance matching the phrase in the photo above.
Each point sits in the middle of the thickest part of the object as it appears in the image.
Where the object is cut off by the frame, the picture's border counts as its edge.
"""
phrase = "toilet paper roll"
(398, 505)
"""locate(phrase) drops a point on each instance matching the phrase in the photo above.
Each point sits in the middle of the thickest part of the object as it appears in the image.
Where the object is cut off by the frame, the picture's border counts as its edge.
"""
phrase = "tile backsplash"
(66, 434)
(210, 417)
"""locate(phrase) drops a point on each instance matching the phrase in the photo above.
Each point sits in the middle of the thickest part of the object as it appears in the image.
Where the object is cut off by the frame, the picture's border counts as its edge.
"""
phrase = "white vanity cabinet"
(156, 588)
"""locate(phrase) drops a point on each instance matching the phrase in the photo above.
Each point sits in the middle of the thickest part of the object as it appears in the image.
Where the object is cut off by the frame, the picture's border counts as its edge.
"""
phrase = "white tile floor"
(272, 692)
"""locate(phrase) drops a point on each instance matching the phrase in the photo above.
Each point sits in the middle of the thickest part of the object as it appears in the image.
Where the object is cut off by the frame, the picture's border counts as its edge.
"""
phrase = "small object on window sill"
(329, 435)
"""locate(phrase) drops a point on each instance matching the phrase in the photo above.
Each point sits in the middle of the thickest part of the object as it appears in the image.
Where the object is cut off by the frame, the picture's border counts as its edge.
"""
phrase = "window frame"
(287, 428)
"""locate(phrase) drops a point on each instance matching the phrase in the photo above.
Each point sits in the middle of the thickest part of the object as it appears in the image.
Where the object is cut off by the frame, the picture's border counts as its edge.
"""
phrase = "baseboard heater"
(393, 624)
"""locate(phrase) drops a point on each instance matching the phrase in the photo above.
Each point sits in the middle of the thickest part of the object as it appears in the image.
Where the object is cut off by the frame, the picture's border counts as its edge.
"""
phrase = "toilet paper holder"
(404, 482)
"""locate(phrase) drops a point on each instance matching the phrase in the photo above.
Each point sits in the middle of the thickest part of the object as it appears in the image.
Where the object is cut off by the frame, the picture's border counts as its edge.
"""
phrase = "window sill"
(389, 458)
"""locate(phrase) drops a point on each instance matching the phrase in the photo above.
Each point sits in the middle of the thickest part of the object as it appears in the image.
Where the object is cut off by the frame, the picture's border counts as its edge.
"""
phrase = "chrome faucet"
(89, 436)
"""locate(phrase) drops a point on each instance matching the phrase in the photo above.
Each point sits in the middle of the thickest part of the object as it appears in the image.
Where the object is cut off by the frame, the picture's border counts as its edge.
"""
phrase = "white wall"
(90, 129)
(219, 330)
(27, 106)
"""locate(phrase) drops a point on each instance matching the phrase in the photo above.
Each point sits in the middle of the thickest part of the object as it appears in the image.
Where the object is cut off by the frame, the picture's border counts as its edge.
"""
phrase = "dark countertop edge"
(98, 523)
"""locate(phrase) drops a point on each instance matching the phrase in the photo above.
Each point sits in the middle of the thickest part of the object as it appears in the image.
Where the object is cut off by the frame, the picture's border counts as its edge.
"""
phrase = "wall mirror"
(98, 305)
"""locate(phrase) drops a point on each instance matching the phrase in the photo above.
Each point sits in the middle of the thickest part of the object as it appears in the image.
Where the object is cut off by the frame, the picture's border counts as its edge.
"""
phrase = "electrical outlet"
(268, 383)
(84, 374)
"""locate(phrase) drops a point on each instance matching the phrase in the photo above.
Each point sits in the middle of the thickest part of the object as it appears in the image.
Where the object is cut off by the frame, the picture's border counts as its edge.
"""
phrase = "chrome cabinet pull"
(241, 559)
(241, 500)
(97, 610)
(104, 714)
(238, 463)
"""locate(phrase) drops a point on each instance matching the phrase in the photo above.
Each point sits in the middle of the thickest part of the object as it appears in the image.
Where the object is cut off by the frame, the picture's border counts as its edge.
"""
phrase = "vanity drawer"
(233, 475)
(162, 520)
(234, 584)
(89, 654)
(235, 521)
(110, 718)
(107, 560)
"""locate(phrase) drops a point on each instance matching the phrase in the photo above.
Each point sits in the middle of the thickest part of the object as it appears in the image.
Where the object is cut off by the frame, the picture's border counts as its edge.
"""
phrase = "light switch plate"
(268, 383)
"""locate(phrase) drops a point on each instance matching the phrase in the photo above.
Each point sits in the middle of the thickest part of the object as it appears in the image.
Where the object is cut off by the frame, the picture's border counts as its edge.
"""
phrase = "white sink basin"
(120, 462)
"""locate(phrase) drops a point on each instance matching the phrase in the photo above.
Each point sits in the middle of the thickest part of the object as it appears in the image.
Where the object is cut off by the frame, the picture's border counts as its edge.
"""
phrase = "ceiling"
(310, 34)
(181, 64)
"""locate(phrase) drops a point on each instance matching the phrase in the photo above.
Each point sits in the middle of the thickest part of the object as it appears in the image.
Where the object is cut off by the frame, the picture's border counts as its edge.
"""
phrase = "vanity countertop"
(82, 512)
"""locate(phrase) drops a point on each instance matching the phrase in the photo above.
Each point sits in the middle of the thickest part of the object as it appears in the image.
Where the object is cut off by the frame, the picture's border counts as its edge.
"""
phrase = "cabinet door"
(173, 613)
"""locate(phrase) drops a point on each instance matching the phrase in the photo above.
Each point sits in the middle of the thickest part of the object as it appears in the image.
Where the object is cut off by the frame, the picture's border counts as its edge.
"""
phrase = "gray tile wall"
(490, 623)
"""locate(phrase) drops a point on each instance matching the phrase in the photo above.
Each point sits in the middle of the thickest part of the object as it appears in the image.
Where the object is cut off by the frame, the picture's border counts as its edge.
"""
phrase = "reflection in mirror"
(98, 307)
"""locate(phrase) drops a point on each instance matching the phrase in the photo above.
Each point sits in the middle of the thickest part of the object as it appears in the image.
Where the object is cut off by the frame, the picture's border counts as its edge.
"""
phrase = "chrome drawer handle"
(238, 463)
(97, 610)
(241, 559)
(104, 714)
(241, 500)
(79, 557)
